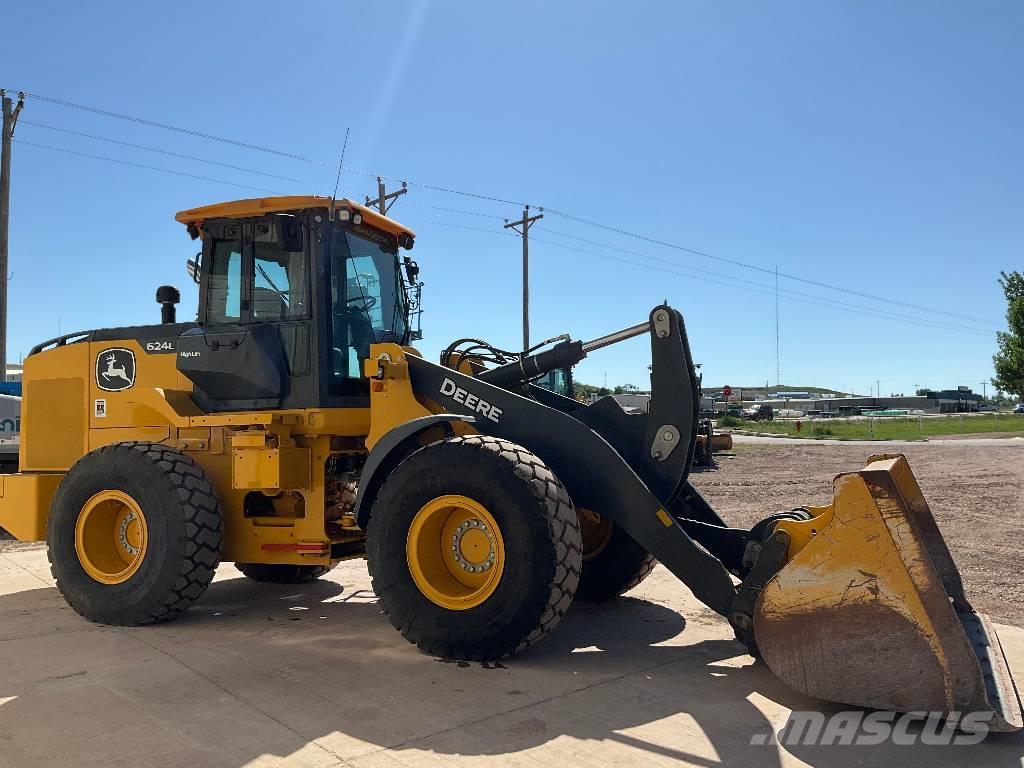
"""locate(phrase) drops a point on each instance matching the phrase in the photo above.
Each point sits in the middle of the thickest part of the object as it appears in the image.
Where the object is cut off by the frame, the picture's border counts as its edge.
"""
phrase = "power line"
(256, 147)
(140, 165)
(736, 282)
(174, 128)
(161, 151)
(449, 224)
(768, 290)
(454, 210)
(697, 274)
(765, 270)
(746, 285)
(493, 198)
(735, 279)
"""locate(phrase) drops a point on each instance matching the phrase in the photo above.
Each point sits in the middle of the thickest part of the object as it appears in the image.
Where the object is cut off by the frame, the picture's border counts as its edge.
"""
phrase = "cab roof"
(258, 206)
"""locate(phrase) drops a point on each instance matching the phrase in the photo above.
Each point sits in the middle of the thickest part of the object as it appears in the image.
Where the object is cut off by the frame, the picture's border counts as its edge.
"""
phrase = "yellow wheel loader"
(293, 426)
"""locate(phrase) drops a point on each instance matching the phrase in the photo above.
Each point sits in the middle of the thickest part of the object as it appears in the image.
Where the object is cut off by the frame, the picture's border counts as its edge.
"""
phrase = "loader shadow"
(279, 671)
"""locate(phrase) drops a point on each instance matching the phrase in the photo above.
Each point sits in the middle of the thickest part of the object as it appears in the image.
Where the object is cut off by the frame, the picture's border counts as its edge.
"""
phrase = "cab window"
(224, 295)
(368, 304)
(280, 284)
(255, 278)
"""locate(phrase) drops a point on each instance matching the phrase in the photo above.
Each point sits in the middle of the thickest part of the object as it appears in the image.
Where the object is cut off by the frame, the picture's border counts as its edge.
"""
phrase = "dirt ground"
(975, 492)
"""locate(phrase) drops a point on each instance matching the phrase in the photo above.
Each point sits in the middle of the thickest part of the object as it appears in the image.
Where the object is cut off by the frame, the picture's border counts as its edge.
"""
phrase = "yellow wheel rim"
(455, 552)
(111, 537)
(595, 530)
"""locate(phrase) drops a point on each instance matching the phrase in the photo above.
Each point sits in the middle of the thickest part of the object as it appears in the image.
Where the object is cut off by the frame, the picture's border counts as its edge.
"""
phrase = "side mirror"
(193, 268)
(289, 233)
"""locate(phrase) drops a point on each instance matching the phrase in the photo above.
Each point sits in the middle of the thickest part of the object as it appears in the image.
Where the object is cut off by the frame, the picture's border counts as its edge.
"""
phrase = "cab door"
(252, 349)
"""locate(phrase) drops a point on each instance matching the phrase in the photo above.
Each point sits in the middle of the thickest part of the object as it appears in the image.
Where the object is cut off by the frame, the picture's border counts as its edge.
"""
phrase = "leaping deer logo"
(119, 370)
(115, 371)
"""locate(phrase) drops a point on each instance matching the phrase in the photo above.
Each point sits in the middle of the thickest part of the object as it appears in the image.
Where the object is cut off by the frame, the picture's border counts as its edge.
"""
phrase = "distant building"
(961, 400)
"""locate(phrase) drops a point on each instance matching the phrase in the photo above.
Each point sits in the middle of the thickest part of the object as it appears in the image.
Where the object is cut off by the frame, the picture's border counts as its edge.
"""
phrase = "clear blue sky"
(871, 145)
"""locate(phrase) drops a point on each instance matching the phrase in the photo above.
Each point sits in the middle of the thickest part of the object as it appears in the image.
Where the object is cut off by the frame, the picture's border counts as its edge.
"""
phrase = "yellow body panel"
(273, 469)
(25, 504)
(278, 451)
(392, 401)
(144, 403)
(54, 416)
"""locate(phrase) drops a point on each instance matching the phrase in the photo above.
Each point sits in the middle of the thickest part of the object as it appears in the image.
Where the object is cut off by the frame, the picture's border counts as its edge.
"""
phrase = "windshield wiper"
(282, 294)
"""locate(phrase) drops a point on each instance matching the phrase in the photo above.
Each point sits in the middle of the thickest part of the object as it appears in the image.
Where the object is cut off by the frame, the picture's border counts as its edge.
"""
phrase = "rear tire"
(613, 563)
(534, 548)
(278, 573)
(134, 534)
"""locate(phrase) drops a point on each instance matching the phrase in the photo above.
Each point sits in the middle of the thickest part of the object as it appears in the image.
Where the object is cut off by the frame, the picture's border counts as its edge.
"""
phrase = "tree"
(1009, 360)
(923, 392)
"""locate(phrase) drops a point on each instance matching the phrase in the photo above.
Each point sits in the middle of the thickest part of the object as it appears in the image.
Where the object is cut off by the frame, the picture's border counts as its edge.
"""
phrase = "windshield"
(557, 381)
(367, 297)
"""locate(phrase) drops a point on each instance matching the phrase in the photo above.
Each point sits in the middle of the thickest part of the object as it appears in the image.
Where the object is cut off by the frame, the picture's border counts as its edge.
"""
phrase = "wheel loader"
(293, 426)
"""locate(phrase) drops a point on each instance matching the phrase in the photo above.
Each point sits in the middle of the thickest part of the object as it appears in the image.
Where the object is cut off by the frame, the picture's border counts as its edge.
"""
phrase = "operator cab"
(292, 293)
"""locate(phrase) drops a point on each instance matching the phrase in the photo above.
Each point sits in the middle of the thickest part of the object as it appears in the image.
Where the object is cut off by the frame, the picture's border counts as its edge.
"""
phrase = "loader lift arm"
(636, 465)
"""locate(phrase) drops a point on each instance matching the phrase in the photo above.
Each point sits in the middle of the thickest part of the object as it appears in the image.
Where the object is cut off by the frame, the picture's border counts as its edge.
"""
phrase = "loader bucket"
(869, 608)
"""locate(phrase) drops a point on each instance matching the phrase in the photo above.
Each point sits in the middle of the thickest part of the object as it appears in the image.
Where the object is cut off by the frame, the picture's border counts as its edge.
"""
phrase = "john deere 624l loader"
(293, 426)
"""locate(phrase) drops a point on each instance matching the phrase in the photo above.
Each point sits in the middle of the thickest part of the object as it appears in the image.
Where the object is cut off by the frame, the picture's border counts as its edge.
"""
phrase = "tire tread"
(204, 529)
(563, 528)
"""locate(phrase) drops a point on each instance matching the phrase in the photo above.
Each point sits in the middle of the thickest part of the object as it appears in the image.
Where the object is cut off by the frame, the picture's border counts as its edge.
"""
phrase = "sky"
(872, 147)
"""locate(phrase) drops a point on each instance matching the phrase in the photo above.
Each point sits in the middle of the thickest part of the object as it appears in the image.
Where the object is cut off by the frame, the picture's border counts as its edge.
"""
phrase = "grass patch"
(896, 428)
(730, 421)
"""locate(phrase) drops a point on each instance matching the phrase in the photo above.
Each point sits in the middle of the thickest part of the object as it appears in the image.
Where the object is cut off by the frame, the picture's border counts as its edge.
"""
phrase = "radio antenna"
(337, 179)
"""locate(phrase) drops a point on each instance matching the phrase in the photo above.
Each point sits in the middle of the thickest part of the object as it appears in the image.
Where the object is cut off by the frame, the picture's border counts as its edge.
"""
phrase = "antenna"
(337, 179)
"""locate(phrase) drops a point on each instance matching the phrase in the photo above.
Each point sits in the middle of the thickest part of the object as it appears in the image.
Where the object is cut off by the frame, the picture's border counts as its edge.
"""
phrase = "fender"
(388, 452)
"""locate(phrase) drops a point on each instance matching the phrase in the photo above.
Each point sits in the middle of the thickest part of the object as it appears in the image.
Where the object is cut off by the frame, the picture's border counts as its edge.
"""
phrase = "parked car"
(762, 412)
(1019, 408)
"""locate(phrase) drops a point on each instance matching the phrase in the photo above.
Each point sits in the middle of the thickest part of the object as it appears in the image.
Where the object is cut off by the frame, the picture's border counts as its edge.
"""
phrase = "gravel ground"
(975, 492)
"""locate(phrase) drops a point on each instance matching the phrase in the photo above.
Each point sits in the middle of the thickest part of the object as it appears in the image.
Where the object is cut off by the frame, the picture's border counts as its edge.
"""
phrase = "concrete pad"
(264, 675)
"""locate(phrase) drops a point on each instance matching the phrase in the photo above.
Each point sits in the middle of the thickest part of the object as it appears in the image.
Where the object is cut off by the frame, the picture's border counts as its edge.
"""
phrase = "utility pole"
(984, 391)
(526, 222)
(778, 366)
(10, 119)
(383, 196)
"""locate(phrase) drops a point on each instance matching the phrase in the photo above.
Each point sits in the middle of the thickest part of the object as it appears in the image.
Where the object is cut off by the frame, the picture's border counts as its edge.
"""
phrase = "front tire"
(613, 563)
(474, 548)
(134, 534)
